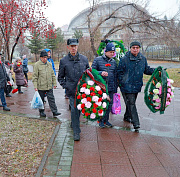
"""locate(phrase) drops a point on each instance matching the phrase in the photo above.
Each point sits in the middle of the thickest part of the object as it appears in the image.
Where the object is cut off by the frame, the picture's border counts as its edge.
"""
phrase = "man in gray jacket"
(71, 68)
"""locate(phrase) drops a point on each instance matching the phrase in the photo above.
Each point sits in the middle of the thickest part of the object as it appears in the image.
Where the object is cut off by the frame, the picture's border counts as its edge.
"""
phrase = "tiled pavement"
(116, 152)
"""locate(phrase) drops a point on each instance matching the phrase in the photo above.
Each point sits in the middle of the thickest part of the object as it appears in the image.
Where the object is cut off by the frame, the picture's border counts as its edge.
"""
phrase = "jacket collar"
(134, 58)
(74, 58)
(106, 58)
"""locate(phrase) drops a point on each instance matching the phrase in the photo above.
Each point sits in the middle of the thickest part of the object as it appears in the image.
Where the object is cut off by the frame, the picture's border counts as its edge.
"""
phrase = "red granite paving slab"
(163, 148)
(108, 157)
(88, 146)
(88, 129)
(175, 142)
(111, 146)
(88, 136)
(106, 130)
(173, 171)
(150, 171)
(86, 170)
(144, 159)
(117, 171)
(169, 160)
(136, 147)
(86, 157)
(106, 136)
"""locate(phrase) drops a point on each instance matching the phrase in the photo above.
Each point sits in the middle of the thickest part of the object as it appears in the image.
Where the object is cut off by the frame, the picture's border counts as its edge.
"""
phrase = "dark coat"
(130, 72)
(25, 65)
(70, 70)
(99, 64)
(3, 76)
(19, 75)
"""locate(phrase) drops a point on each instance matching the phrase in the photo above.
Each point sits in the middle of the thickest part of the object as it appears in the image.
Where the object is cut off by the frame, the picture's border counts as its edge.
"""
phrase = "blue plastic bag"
(37, 101)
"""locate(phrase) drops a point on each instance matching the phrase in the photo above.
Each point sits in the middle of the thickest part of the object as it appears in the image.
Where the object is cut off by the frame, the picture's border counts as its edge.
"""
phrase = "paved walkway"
(115, 152)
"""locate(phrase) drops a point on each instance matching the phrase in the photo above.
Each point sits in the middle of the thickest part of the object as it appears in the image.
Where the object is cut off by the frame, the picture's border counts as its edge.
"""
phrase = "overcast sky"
(61, 12)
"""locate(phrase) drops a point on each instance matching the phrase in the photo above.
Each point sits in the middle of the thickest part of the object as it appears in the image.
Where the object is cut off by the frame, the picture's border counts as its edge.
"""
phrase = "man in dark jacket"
(130, 74)
(109, 74)
(71, 68)
(3, 80)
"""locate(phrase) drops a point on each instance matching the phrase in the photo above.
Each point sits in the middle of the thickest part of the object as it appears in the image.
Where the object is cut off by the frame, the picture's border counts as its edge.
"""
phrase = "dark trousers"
(3, 100)
(26, 76)
(75, 114)
(131, 111)
(106, 116)
(50, 98)
(19, 88)
(8, 89)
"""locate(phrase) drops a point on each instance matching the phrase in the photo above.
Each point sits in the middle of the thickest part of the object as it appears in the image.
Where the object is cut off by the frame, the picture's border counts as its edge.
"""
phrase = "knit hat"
(43, 53)
(135, 43)
(110, 47)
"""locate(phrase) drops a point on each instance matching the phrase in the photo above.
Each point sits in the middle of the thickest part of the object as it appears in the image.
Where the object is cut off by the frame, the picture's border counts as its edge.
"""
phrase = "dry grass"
(23, 142)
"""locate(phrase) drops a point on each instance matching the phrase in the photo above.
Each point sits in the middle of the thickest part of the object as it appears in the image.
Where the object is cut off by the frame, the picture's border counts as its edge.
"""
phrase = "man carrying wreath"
(71, 68)
(107, 68)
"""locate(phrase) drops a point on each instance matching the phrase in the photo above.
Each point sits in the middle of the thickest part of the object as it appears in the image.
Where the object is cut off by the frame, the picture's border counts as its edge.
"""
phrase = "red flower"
(14, 90)
(108, 64)
(79, 97)
(89, 99)
(83, 111)
(100, 92)
(95, 105)
(94, 110)
(92, 94)
(83, 105)
(84, 85)
(100, 111)
(87, 114)
(92, 88)
(100, 99)
(84, 95)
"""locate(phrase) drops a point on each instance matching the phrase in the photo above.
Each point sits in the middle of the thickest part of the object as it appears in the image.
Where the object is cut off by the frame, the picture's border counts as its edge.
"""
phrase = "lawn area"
(23, 142)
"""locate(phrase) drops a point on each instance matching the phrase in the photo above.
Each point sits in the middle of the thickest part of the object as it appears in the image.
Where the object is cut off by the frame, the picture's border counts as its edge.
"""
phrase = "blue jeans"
(106, 116)
(3, 100)
(75, 114)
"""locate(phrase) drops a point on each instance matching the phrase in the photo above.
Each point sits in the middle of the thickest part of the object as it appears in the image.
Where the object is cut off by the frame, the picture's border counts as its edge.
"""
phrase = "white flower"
(87, 91)
(79, 107)
(82, 89)
(172, 88)
(84, 100)
(99, 103)
(104, 96)
(101, 114)
(155, 97)
(93, 116)
(97, 88)
(95, 98)
(118, 50)
(90, 82)
(156, 104)
(158, 85)
(170, 80)
(104, 104)
(88, 104)
(156, 91)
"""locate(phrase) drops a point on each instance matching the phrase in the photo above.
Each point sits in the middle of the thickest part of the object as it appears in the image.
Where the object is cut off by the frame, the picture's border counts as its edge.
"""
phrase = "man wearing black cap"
(71, 68)
(130, 74)
(109, 74)
(3, 80)
(44, 81)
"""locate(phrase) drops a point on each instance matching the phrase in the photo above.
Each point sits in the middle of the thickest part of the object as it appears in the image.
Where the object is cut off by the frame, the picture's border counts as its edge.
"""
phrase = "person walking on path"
(44, 81)
(50, 60)
(71, 68)
(19, 74)
(130, 75)
(25, 67)
(3, 81)
(9, 85)
(107, 68)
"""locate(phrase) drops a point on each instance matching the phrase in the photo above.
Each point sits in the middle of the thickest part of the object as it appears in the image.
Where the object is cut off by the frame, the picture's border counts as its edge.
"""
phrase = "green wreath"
(120, 49)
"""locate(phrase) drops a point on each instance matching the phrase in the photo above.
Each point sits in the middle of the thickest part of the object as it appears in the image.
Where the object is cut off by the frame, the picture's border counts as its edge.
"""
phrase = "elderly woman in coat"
(19, 74)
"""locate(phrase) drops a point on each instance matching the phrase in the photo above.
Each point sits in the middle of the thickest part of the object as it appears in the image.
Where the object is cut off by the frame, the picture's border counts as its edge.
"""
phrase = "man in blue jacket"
(109, 74)
(50, 60)
(130, 74)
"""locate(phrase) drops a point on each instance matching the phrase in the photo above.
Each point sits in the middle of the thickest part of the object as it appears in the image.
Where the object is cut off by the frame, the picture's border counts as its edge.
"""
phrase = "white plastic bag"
(37, 101)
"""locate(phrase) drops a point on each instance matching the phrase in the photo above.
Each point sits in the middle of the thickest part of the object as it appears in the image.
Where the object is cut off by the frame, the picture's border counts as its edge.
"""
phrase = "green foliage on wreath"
(159, 75)
(120, 49)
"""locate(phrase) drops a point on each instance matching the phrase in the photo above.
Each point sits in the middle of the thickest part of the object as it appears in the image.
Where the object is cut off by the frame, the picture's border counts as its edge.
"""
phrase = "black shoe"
(136, 127)
(5, 108)
(1, 105)
(42, 114)
(56, 113)
(20, 92)
(8, 95)
(76, 137)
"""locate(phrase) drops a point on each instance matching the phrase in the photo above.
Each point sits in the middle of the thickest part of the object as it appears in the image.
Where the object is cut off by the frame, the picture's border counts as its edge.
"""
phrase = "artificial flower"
(97, 88)
(95, 98)
(79, 97)
(84, 85)
(100, 92)
(99, 103)
(108, 64)
(158, 85)
(83, 111)
(84, 95)
(90, 82)
(92, 94)
(84, 100)
(88, 104)
(87, 92)
(156, 91)
(82, 105)
(79, 107)
(104, 104)
(155, 97)
(87, 114)
(92, 89)
(104, 96)
(94, 110)
(82, 90)
(89, 99)
(93, 116)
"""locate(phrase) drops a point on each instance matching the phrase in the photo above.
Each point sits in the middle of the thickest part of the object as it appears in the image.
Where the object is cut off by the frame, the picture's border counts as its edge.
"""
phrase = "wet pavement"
(109, 152)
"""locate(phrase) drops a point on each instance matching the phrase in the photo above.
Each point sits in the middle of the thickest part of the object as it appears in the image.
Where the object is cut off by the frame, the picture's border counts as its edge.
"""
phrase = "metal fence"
(162, 53)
